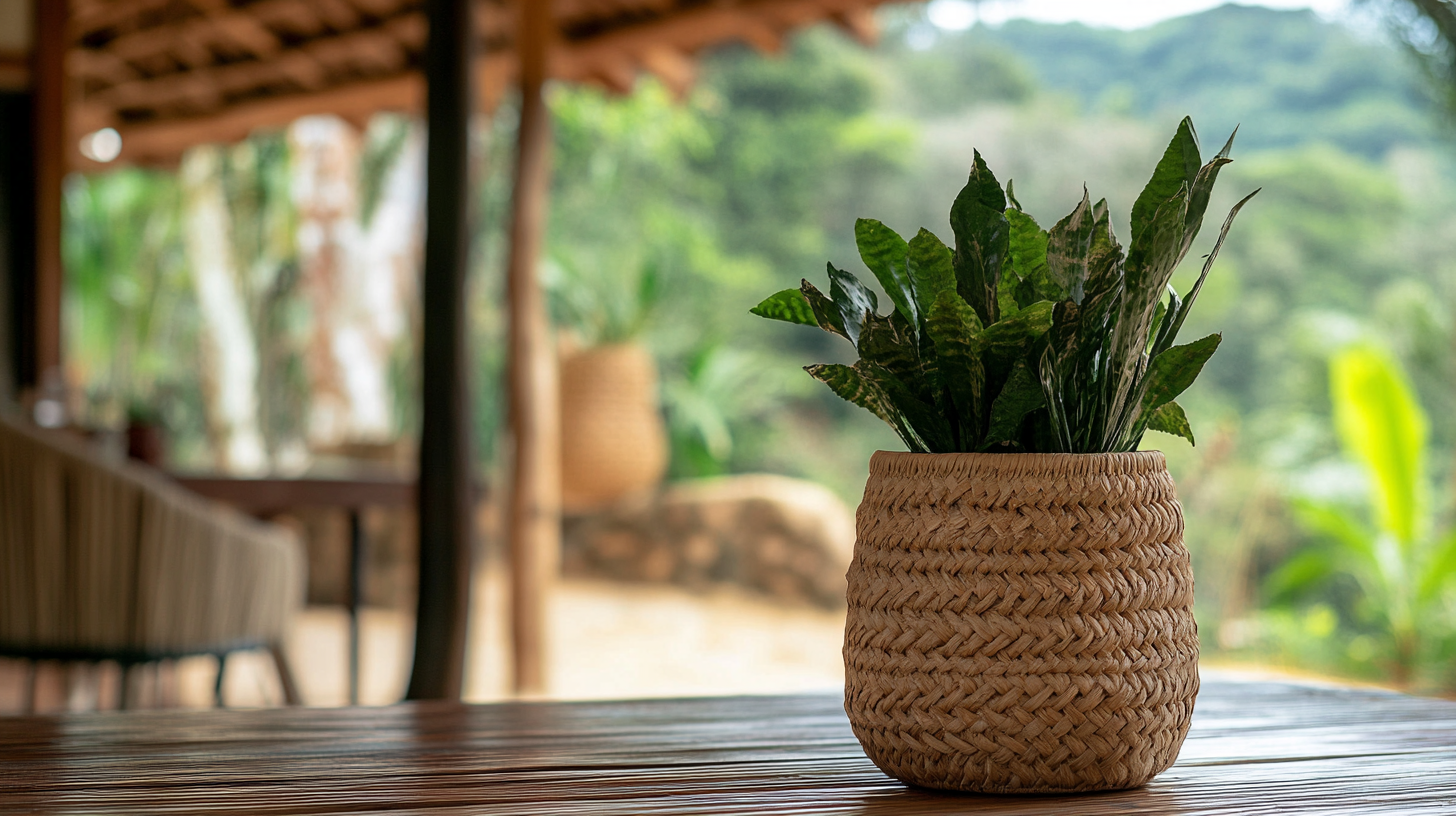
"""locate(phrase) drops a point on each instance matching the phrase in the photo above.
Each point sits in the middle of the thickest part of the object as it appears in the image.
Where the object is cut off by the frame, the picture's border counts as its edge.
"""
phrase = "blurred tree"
(130, 323)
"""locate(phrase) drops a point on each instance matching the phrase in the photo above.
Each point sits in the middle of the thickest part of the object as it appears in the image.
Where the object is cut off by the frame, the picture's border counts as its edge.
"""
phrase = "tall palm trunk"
(353, 278)
(229, 349)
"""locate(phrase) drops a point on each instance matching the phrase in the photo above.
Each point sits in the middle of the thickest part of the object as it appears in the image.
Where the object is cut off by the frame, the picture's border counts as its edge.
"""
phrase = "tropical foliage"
(1402, 567)
(1024, 339)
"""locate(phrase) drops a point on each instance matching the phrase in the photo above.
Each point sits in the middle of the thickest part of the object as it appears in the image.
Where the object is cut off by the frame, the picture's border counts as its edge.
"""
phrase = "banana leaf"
(1382, 426)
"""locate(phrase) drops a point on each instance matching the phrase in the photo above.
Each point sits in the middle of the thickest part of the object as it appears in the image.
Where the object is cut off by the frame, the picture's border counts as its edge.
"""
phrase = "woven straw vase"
(613, 441)
(1020, 623)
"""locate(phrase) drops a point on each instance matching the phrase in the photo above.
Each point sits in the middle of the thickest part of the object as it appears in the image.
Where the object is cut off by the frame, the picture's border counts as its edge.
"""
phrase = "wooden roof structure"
(168, 74)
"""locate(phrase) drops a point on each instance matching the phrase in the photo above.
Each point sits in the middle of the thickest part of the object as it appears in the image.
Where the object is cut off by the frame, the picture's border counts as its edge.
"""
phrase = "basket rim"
(905, 463)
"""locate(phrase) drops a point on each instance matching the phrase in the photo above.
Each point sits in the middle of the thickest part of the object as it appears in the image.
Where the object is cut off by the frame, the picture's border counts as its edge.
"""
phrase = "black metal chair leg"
(123, 697)
(217, 701)
(285, 675)
(356, 592)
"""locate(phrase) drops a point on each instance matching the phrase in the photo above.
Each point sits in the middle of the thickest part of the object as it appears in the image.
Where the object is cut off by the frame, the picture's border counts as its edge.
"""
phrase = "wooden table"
(1255, 748)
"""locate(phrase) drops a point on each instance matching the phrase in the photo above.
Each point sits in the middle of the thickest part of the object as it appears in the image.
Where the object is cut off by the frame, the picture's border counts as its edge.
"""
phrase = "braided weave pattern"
(1020, 623)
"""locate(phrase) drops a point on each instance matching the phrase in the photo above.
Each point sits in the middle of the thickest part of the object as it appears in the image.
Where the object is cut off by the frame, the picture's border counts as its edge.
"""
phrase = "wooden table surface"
(1255, 748)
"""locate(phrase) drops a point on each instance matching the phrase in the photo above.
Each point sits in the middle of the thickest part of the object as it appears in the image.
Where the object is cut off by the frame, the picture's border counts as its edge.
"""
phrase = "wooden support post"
(446, 492)
(52, 150)
(535, 509)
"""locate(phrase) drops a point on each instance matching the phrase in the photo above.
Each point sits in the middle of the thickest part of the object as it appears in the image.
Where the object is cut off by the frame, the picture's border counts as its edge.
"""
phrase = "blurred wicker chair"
(113, 562)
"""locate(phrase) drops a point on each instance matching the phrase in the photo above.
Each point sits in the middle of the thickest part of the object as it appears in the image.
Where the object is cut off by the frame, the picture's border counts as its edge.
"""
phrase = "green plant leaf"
(1298, 576)
(1021, 395)
(826, 315)
(1151, 259)
(1202, 188)
(1155, 252)
(1177, 168)
(1068, 243)
(1381, 425)
(789, 306)
(1162, 323)
(930, 427)
(854, 301)
(1337, 525)
(1028, 263)
(982, 239)
(1180, 313)
(931, 270)
(887, 256)
(850, 385)
(889, 342)
(953, 327)
(1018, 330)
(1003, 343)
(1174, 370)
(1439, 570)
(1169, 418)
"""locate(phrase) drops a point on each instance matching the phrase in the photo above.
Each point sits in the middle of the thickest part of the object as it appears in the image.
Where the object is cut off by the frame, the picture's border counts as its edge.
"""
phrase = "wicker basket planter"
(613, 441)
(1020, 623)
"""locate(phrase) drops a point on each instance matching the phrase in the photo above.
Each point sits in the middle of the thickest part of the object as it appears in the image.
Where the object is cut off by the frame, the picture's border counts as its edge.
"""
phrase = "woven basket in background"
(613, 441)
(1020, 623)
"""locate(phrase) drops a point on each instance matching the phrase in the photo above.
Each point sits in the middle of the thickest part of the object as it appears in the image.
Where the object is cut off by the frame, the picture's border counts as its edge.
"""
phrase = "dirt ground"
(606, 641)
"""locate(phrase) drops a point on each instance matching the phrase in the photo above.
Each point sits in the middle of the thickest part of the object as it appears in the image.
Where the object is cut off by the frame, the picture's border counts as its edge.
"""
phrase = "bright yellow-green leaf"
(1381, 425)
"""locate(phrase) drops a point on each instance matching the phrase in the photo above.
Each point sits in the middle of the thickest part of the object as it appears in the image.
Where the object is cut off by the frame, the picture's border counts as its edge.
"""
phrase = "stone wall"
(784, 537)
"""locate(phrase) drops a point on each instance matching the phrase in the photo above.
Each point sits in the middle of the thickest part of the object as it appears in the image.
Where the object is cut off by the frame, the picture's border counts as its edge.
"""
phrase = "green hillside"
(1289, 76)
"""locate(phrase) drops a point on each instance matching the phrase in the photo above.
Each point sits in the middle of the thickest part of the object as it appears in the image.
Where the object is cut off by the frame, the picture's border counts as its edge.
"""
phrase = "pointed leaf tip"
(790, 306)
(1229, 145)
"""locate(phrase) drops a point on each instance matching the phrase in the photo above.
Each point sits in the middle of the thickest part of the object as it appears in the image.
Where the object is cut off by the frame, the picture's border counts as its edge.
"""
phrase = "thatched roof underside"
(168, 74)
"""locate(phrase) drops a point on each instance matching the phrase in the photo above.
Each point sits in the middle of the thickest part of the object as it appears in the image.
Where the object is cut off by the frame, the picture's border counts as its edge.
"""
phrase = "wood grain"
(1255, 748)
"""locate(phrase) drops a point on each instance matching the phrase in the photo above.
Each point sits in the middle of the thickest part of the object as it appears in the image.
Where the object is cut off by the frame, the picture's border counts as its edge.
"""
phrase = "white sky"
(960, 14)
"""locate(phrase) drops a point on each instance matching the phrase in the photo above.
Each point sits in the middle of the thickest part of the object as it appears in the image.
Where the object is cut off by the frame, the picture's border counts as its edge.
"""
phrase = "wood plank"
(446, 452)
(1255, 748)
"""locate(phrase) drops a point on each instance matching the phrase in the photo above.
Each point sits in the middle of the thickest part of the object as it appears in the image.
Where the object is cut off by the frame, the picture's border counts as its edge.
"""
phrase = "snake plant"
(1022, 339)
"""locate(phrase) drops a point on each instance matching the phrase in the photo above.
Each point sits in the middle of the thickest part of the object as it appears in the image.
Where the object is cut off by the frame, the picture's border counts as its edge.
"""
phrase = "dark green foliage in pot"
(1022, 339)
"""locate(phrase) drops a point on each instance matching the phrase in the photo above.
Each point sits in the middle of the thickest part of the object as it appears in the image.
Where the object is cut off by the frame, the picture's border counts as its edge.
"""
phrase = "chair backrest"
(115, 559)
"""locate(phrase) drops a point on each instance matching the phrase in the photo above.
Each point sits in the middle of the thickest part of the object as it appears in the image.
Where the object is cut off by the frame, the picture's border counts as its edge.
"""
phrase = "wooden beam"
(759, 23)
(446, 506)
(619, 75)
(164, 141)
(210, 85)
(53, 147)
(860, 24)
(534, 520)
(676, 71)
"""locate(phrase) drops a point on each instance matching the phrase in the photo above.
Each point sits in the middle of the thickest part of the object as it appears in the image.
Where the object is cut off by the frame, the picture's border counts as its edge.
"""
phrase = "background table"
(1255, 748)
